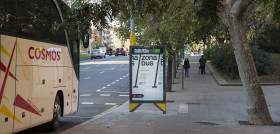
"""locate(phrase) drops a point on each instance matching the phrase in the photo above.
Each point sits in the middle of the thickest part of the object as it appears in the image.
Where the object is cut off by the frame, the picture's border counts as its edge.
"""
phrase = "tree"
(258, 15)
(84, 15)
(234, 13)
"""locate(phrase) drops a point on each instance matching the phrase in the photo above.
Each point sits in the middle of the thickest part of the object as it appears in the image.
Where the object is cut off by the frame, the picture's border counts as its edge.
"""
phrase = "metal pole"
(94, 43)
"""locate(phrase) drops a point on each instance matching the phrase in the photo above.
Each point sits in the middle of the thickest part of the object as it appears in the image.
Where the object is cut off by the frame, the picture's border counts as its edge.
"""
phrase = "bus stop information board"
(147, 74)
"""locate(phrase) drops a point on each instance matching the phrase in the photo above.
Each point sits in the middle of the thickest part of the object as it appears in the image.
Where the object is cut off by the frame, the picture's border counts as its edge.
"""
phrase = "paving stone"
(202, 100)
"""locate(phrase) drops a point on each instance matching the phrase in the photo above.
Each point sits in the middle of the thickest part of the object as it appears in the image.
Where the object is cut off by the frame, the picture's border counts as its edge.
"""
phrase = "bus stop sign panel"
(147, 74)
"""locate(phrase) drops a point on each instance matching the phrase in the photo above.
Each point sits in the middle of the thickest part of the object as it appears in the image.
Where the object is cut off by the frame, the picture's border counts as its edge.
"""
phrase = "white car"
(97, 53)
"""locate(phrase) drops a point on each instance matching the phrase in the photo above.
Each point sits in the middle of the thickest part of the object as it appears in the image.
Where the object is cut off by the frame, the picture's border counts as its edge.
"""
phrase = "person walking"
(186, 67)
(202, 63)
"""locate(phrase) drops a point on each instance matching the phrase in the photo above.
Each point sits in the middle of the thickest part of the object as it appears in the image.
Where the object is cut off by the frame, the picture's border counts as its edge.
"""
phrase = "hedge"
(224, 59)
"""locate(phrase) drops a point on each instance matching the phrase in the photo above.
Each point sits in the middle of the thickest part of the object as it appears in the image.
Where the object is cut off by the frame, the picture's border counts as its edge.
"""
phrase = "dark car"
(120, 51)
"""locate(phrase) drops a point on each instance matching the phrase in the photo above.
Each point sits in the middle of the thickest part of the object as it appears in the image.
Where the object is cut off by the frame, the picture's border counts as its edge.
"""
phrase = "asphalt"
(202, 107)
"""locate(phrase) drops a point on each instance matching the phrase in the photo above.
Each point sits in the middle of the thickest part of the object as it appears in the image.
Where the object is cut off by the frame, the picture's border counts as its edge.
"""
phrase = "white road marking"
(87, 103)
(87, 78)
(108, 85)
(110, 104)
(102, 72)
(117, 80)
(98, 62)
(113, 82)
(121, 78)
(98, 90)
(105, 94)
(103, 87)
(85, 95)
(107, 91)
(124, 95)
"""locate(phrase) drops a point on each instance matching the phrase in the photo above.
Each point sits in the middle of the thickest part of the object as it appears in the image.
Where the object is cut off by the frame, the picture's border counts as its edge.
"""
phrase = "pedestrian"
(202, 63)
(186, 67)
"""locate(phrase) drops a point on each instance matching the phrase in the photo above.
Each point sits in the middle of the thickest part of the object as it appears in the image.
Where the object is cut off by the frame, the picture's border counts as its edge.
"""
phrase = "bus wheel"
(56, 114)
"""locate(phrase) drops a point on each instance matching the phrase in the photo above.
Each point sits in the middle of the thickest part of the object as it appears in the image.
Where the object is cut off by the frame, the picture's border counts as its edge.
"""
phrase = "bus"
(39, 66)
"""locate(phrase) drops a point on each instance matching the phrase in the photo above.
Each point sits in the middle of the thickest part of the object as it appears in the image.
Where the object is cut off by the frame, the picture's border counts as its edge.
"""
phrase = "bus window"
(8, 16)
(75, 52)
(39, 20)
(73, 39)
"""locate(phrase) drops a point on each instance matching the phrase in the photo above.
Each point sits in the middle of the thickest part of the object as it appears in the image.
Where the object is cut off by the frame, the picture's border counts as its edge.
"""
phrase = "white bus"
(39, 75)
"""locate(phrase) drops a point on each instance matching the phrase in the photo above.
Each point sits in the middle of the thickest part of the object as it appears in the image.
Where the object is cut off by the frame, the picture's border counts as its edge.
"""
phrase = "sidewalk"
(203, 107)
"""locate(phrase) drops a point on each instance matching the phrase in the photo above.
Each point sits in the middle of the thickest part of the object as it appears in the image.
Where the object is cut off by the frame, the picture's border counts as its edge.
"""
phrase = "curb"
(95, 118)
(222, 82)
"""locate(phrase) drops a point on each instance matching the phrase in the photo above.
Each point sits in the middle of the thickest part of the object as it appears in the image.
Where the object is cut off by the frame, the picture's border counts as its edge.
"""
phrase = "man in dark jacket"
(187, 67)
(202, 62)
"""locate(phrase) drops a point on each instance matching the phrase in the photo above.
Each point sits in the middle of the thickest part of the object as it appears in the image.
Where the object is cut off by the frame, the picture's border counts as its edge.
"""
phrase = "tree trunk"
(183, 73)
(208, 42)
(256, 104)
(169, 75)
(178, 59)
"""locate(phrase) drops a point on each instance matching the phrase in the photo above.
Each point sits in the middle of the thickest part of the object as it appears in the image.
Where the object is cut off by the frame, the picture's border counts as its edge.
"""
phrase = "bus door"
(69, 90)
(63, 82)
(75, 75)
(8, 79)
(75, 94)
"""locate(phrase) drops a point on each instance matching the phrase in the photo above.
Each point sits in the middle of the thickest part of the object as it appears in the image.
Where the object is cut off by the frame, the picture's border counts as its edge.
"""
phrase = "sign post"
(147, 76)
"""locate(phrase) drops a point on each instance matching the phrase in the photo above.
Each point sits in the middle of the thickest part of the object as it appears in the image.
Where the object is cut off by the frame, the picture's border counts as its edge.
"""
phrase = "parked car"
(97, 53)
(120, 51)
(83, 52)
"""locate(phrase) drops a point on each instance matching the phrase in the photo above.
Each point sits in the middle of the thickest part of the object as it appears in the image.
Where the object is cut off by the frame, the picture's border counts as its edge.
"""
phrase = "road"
(103, 86)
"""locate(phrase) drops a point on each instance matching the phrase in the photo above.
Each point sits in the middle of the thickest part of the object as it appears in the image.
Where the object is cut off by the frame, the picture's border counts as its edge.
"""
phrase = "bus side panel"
(75, 93)
(43, 94)
(7, 84)
(68, 90)
(24, 106)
